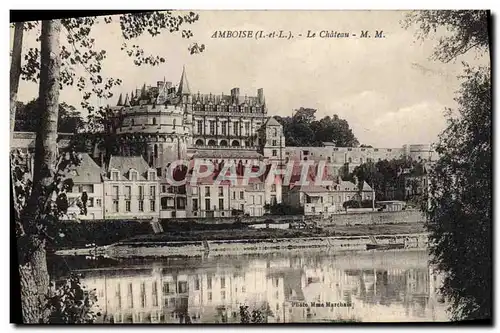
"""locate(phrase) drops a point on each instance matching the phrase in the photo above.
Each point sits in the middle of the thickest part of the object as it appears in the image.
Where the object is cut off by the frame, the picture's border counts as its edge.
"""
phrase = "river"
(291, 286)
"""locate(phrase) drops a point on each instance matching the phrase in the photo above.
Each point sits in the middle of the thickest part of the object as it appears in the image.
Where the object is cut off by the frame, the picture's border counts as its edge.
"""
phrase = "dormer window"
(133, 175)
(114, 175)
(151, 175)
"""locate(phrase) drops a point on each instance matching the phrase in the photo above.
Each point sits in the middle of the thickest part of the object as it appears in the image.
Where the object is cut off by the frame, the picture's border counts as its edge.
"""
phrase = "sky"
(388, 89)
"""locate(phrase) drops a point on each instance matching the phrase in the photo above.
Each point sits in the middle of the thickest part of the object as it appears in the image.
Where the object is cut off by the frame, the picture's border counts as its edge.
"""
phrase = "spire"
(120, 103)
(126, 103)
(184, 85)
(143, 91)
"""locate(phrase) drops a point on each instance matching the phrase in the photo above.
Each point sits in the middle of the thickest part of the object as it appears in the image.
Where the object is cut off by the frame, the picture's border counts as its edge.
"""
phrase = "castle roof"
(124, 163)
(87, 171)
(184, 84)
(272, 122)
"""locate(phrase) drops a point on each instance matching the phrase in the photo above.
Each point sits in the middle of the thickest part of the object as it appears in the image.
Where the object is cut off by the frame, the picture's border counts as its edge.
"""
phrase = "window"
(174, 123)
(118, 296)
(221, 191)
(221, 204)
(212, 127)
(128, 192)
(197, 284)
(129, 296)
(273, 200)
(210, 296)
(247, 128)
(275, 142)
(141, 205)
(242, 195)
(155, 293)
(158, 172)
(223, 294)
(152, 191)
(275, 132)
(115, 192)
(252, 199)
(194, 190)
(114, 175)
(273, 188)
(199, 124)
(195, 204)
(224, 127)
(152, 205)
(151, 175)
(115, 206)
(207, 191)
(236, 126)
(275, 152)
(207, 204)
(127, 205)
(234, 195)
(209, 282)
(259, 199)
(133, 175)
(154, 121)
(141, 192)
(90, 202)
(222, 282)
(143, 295)
(98, 202)
(163, 188)
(156, 151)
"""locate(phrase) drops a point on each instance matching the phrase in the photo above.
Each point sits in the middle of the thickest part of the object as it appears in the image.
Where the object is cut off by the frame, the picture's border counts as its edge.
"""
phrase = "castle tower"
(273, 141)
(186, 101)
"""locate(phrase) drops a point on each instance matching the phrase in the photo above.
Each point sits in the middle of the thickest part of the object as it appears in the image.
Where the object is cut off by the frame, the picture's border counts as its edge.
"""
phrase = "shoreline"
(138, 249)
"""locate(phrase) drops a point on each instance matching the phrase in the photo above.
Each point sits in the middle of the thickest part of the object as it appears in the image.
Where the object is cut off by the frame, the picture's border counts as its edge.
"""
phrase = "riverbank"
(244, 241)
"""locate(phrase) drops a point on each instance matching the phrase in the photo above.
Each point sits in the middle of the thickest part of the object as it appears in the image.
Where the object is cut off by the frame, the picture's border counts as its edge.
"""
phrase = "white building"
(131, 189)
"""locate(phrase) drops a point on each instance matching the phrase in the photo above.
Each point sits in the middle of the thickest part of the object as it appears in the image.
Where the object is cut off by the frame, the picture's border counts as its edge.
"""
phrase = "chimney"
(235, 95)
(159, 84)
(168, 84)
(260, 95)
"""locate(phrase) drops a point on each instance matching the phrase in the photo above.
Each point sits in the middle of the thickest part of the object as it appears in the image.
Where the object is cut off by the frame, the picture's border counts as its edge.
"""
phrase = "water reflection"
(293, 287)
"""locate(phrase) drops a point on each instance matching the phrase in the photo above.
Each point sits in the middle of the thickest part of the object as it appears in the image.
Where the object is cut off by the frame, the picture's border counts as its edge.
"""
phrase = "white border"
(199, 5)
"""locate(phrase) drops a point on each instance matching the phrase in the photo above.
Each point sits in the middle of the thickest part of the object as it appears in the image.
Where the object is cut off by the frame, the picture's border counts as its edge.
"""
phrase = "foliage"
(27, 117)
(38, 208)
(357, 204)
(78, 50)
(71, 303)
(283, 209)
(387, 176)
(460, 201)
(467, 30)
(257, 316)
(304, 130)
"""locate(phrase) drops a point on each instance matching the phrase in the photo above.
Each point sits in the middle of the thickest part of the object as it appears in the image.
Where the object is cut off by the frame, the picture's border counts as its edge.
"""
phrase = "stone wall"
(409, 216)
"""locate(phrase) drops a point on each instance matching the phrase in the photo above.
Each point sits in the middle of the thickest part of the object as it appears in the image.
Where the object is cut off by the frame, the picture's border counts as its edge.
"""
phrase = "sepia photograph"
(251, 167)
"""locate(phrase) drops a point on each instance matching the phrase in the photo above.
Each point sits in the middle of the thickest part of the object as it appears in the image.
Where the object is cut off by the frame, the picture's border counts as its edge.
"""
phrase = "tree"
(39, 204)
(303, 130)
(459, 198)
(27, 116)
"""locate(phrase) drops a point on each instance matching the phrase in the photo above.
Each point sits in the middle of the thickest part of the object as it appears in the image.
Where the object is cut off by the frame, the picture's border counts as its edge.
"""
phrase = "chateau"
(172, 123)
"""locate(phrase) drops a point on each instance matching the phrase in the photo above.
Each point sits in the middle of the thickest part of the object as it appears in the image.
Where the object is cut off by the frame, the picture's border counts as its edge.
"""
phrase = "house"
(85, 199)
(131, 189)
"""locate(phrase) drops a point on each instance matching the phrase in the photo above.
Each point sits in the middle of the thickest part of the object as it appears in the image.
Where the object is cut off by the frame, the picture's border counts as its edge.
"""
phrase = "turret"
(120, 102)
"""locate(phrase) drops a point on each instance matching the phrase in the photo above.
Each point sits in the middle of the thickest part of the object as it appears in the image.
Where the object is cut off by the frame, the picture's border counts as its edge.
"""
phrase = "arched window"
(199, 142)
(154, 121)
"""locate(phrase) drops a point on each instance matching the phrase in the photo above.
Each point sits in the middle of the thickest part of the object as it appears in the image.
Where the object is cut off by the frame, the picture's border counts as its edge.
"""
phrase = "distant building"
(131, 189)
(87, 189)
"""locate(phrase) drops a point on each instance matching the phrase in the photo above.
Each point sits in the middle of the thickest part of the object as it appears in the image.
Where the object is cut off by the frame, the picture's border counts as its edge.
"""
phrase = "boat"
(385, 246)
